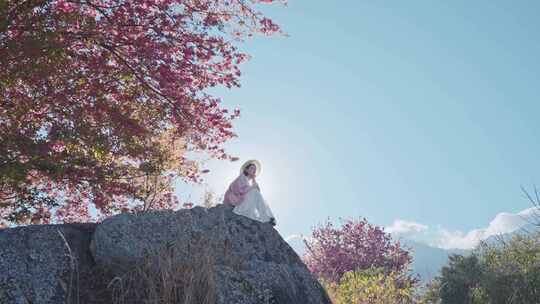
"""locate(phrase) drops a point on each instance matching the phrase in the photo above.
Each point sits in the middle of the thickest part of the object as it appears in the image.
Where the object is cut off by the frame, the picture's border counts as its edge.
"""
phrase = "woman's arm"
(241, 186)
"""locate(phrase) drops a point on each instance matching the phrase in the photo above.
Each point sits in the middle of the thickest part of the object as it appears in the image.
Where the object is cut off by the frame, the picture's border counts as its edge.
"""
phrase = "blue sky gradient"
(416, 110)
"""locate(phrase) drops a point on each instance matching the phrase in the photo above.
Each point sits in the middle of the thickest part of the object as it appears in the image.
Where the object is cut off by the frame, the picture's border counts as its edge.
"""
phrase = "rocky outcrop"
(246, 262)
(48, 264)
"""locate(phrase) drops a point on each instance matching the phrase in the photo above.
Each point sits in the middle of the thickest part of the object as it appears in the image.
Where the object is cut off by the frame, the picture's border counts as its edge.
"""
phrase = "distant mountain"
(526, 229)
(428, 260)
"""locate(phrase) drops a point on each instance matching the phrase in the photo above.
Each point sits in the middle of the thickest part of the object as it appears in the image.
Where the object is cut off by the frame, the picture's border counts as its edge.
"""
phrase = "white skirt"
(255, 207)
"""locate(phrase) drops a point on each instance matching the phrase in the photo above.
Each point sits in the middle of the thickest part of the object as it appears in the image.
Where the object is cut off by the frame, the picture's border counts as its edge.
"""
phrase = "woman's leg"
(265, 214)
(247, 207)
(254, 206)
(268, 211)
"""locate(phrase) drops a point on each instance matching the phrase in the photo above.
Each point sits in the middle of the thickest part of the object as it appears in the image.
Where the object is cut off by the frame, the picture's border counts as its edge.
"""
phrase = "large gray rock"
(251, 260)
(38, 266)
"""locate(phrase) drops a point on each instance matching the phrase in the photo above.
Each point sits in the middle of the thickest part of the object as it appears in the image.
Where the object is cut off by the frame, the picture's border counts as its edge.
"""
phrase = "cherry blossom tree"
(102, 100)
(356, 245)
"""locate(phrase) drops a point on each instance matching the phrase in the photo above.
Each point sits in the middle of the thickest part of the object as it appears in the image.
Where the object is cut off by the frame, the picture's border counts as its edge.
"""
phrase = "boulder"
(44, 263)
(221, 257)
(250, 259)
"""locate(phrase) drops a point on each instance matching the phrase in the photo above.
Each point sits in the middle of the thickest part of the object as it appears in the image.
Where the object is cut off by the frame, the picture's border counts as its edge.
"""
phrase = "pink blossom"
(356, 245)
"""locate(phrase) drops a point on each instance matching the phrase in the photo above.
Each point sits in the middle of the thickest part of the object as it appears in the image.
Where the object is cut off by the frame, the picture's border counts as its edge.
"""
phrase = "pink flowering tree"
(356, 245)
(101, 100)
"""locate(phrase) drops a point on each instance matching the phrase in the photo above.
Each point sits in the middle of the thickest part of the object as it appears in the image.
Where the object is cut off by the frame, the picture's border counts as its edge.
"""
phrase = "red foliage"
(100, 98)
(356, 245)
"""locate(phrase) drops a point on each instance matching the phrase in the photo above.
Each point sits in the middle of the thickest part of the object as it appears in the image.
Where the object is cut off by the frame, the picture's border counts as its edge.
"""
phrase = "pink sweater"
(237, 191)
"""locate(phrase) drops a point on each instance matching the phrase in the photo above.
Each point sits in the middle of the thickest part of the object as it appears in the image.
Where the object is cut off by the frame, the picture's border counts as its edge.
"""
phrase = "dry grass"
(72, 287)
(162, 278)
(211, 199)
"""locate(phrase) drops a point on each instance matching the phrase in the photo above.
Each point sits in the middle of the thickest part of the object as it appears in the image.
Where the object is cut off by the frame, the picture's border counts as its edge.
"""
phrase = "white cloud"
(293, 237)
(503, 222)
(457, 239)
(405, 228)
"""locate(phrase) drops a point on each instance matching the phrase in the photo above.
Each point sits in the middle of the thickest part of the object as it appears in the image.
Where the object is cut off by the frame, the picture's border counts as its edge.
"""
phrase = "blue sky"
(420, 111)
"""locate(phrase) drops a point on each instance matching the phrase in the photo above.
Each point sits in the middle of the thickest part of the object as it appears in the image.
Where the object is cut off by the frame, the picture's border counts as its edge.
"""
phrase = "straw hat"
(252, 161)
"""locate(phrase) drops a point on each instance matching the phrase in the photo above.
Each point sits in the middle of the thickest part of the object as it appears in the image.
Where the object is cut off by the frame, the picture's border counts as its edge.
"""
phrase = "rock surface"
(45, 263)
(249, 256)
(251, 263)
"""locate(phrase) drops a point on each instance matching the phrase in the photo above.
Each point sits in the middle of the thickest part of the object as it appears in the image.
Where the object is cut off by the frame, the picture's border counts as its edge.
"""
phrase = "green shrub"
(371, 286)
